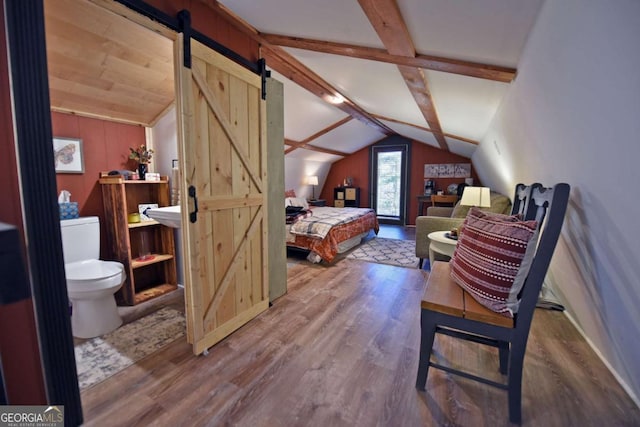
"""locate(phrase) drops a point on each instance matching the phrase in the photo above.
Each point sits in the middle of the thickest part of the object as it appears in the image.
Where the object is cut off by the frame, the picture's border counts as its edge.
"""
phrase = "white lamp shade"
(312, 180)
(476, 196)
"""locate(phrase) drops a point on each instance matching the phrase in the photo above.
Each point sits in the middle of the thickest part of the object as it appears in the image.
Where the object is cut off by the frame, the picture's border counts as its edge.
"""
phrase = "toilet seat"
(93, 274)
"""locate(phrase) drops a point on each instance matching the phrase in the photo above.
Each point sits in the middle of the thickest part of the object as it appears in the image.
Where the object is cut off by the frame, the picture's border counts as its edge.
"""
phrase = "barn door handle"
(193, 216)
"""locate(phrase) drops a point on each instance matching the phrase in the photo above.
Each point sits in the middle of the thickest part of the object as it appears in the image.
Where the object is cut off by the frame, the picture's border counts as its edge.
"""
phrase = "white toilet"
(91, 282)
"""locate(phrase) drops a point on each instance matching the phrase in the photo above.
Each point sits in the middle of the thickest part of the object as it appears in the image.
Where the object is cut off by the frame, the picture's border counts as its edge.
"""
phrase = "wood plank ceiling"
(104, 65)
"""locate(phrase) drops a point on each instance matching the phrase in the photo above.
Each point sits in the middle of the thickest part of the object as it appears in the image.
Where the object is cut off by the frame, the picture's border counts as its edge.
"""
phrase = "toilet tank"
(80, 238)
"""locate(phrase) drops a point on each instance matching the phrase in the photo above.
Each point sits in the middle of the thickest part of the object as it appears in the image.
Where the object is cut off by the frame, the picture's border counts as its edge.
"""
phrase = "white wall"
(164, 137)
(165, 142)
(295, 171)
(573, 115)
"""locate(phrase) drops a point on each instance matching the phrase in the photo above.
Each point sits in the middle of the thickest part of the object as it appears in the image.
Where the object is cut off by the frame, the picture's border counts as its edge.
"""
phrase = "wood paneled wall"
(208, 22)
(105, 147)
(422, 154)
(10, 211)
(357, 167)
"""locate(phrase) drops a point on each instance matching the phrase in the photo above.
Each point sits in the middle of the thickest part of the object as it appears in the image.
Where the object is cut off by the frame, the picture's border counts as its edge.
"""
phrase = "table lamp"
(479, 197)
(313, 181)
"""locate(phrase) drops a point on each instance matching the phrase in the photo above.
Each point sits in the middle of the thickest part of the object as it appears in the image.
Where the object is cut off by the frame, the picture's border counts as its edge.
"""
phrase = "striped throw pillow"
(492, 258)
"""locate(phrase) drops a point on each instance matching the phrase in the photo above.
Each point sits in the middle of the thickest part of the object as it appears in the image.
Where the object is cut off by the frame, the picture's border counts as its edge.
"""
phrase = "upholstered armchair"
(444, 218)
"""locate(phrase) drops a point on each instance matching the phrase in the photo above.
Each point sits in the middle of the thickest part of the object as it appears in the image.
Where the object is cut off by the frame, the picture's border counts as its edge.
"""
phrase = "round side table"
(440, 244)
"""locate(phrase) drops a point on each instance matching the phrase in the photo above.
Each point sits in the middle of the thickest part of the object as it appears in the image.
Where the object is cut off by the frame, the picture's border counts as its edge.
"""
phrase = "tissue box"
(69, 210)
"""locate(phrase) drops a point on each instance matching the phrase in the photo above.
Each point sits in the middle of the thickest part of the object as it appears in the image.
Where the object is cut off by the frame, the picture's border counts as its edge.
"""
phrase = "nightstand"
(317, 202)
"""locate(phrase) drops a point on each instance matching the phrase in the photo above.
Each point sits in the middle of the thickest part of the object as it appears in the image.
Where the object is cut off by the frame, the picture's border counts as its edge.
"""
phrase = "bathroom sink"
(169, 216)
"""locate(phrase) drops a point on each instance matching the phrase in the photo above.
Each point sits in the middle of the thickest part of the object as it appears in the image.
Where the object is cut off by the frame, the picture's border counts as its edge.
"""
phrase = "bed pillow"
(296, 201)
(290, 193)
(493, 257)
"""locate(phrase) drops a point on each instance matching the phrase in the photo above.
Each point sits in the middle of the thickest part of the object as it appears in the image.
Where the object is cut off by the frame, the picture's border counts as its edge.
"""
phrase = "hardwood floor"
(341, 349)
(397, 232)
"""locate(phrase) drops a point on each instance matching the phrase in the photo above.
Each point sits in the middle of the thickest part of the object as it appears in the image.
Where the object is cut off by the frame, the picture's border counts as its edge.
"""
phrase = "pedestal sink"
(169, 216)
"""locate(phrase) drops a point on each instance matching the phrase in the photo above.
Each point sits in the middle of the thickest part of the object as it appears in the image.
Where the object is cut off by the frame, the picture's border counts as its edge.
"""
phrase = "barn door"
(222, 148)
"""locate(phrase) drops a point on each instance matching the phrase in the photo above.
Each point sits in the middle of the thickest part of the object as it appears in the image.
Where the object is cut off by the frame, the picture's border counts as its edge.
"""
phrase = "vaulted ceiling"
(353, 71)
(431, 70)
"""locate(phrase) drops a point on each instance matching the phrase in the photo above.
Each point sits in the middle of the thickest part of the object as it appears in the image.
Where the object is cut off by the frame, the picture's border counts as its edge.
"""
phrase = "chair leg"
(427, 332)
(420, 263)
(516, 362)
(503, 353)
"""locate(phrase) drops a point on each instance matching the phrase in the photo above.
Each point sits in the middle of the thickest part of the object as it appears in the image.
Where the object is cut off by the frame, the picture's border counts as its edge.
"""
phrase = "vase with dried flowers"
(142, 155)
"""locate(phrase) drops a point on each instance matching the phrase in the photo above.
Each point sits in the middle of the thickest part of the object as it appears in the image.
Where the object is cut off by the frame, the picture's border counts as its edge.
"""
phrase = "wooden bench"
(443, 295)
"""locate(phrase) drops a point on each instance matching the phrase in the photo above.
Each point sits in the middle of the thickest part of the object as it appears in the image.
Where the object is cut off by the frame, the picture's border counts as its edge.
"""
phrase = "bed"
(327, 232)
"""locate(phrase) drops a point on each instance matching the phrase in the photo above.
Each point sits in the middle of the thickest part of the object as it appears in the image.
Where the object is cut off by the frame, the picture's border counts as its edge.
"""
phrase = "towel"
(175, 186)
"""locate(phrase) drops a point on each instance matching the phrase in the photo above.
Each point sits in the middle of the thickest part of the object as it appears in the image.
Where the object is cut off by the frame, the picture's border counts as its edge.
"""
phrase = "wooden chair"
(449, 310)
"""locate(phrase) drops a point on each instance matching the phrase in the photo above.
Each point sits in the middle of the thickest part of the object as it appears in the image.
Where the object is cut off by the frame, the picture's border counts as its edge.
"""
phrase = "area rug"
(99, 358)
(387, 251)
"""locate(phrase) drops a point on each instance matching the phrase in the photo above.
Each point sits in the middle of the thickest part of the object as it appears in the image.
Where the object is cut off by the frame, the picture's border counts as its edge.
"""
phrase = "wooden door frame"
(26, 45)
(136, 11)
(392, 143)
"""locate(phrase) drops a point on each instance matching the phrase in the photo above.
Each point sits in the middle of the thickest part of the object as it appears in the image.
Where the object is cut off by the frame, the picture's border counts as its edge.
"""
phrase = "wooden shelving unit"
(346, 197)
(146, 248)
(143, 223)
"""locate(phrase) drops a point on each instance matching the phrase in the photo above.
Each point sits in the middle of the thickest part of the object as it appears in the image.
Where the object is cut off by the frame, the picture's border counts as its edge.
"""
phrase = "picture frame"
(447, 170)
(463, 170)
(431, 170)
(68, 155)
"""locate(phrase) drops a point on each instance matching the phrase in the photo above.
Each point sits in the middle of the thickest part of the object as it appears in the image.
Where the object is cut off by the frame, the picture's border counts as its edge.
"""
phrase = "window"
(389, 181)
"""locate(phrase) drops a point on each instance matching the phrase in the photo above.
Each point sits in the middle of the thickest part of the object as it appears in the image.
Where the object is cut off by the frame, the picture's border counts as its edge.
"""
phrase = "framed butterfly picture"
(67, 154)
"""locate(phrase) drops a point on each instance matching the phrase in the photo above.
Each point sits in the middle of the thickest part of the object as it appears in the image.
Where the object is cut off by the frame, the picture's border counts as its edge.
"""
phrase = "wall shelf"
(152, 292)
(153, 258)
(146, 223)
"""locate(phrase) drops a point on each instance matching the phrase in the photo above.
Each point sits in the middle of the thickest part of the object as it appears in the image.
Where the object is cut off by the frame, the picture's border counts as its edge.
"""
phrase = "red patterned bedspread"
(327, 248)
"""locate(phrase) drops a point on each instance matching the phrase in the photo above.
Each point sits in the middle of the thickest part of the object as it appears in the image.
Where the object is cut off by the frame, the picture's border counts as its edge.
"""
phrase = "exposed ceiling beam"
(319, 150)
(293, 69)
(448, 135)
(305, 142)
(326, 130)
(387, 21)
(284, 63)
(465, 68)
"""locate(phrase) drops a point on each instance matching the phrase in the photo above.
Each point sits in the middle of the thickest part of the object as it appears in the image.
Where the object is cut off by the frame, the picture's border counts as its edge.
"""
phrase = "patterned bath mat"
(101, 357)
(387, 251)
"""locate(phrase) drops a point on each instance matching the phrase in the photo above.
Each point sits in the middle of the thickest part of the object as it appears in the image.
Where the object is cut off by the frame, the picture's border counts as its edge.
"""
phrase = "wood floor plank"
(341, 349)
